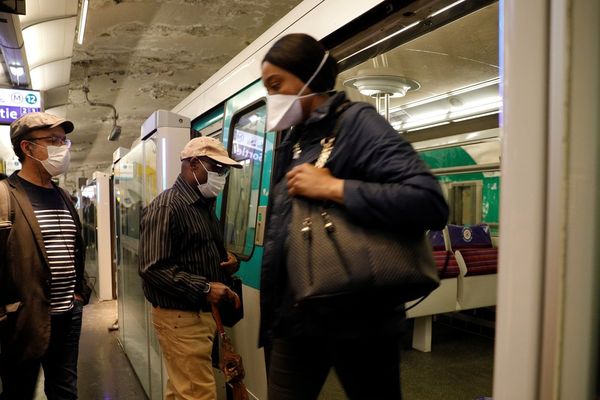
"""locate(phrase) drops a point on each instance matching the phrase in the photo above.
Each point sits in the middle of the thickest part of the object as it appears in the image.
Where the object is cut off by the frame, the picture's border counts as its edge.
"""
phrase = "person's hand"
(232, 265)
(220, 292)
(77, 297)
(315, 183)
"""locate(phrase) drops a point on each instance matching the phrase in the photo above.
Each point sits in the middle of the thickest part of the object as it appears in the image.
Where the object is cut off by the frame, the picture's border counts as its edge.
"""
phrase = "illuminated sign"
(247, 146)
(15, 103)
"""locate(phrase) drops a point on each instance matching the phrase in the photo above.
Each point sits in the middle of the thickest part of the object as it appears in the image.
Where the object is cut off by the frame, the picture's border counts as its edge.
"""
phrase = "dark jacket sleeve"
(156, 265)
(395, 188)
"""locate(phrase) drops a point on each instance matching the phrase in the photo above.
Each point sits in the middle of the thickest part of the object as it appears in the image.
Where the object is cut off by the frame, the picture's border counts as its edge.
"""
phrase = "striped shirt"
(58, 231)
(180, 249)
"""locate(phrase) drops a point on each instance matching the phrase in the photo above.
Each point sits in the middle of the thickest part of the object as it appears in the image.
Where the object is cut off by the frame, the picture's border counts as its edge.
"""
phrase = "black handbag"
(329, 255)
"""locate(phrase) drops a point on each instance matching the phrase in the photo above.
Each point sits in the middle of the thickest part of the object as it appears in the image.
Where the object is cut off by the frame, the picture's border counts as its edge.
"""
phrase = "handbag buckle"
(328, 223)
(306, 228)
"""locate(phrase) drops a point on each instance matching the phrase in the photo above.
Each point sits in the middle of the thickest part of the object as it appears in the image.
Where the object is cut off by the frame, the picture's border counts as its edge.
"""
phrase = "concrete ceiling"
(142, 55)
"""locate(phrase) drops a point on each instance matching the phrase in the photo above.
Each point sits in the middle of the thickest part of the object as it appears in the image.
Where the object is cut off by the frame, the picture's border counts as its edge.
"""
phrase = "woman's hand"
(315, 183)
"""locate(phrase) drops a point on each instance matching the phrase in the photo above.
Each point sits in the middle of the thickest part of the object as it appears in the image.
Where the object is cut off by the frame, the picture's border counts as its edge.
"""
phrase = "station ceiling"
(141, 55)
(138, 56)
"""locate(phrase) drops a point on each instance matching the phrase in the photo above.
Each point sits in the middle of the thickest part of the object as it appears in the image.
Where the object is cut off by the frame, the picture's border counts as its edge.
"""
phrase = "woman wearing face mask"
(379, 179)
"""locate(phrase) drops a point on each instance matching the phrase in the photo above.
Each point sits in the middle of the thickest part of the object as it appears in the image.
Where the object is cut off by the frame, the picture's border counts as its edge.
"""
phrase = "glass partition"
(8, 161)
(90, 238)
(133, 321)
(155, 356)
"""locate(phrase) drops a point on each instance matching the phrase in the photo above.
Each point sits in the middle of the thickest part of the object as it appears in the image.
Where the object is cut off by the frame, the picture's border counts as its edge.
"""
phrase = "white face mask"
(58, 159)
(214, 183)
(285, 110)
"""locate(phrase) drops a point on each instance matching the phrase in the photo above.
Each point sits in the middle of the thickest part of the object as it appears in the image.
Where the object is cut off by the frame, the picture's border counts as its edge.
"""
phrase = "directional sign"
(14, 103)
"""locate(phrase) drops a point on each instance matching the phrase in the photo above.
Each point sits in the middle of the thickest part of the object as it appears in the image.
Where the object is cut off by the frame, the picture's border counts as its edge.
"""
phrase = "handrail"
(457, 144)
(490, 167)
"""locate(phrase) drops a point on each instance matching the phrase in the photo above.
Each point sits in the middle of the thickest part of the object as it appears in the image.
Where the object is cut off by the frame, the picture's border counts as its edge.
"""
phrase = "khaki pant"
(186, 340)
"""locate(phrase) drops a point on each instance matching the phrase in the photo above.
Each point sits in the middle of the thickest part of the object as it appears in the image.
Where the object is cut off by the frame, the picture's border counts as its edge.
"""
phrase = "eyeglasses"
(214, 167)
(54, 140)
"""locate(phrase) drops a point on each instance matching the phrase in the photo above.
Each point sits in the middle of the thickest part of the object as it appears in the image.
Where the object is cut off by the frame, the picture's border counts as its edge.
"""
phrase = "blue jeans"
(59, 363)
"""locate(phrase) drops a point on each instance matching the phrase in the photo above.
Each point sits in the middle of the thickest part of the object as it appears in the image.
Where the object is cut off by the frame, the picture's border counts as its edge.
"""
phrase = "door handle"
(261, 220)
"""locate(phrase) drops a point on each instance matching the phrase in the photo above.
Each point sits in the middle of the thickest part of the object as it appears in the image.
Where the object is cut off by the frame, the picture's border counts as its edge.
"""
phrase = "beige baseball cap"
(38, 120)
(208, 147)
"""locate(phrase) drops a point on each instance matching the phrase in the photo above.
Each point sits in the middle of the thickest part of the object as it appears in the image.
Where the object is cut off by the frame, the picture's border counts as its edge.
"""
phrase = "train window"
(442, 82)
(247, 147)
(209, 124)
(214, 130)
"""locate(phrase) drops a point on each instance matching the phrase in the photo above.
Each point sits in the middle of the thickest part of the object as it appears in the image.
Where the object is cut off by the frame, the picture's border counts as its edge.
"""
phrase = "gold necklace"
(327, 147)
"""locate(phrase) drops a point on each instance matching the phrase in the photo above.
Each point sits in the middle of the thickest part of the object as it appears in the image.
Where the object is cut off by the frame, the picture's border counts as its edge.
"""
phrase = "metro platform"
(106, 374)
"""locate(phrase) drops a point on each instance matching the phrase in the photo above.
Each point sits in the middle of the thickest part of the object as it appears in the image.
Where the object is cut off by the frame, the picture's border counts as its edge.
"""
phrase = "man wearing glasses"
(183, 263)
(41, 266)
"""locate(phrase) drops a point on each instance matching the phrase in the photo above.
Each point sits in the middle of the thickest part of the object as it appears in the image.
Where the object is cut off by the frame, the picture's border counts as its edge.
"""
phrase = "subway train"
(493, 97)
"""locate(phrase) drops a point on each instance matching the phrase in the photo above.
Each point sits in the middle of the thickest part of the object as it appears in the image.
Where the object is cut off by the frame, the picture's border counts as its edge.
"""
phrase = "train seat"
(478, 263)
(441, 300)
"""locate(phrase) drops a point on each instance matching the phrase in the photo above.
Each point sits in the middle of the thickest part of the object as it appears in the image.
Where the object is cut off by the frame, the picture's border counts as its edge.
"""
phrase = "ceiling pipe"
(115, 132)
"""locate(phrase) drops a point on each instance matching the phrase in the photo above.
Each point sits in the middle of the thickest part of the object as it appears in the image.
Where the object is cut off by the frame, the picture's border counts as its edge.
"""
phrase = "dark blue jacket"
(386, 184)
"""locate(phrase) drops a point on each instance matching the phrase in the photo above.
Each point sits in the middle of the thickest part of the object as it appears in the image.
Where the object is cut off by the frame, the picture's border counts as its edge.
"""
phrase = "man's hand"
(232, 265)
(220, 292)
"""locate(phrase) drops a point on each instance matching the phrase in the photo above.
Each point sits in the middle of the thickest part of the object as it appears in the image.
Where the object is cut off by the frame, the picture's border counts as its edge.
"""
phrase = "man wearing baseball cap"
(42, 287)
(183, 264)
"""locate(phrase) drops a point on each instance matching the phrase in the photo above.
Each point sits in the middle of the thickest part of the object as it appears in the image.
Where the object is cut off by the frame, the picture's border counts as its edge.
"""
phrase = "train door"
(243, 210)
(443, 96)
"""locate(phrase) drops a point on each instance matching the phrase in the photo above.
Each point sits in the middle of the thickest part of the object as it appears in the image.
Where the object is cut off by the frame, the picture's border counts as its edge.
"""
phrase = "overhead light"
(477, 109)
(441, 10)
(476, 116)
(114, 133)
(466, 89)
(381, 40)
(17, 70)
(373, 85)
(428, 126)
(82, 20)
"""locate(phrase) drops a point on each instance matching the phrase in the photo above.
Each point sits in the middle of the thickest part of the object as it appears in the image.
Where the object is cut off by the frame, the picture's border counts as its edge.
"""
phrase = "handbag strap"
(328, 141)
(440, 274)
(217, 317)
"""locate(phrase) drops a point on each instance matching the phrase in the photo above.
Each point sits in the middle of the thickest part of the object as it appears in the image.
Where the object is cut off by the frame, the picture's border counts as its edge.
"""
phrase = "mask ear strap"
(29, 148)
(196, 178)
(315, 73)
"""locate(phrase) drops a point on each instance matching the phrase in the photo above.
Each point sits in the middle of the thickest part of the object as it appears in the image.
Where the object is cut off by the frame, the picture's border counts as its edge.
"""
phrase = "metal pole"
(386, 105)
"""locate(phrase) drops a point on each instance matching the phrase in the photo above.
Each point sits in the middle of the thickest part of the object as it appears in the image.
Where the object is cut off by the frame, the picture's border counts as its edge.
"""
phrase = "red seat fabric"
(480, 261)
(452, 269)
